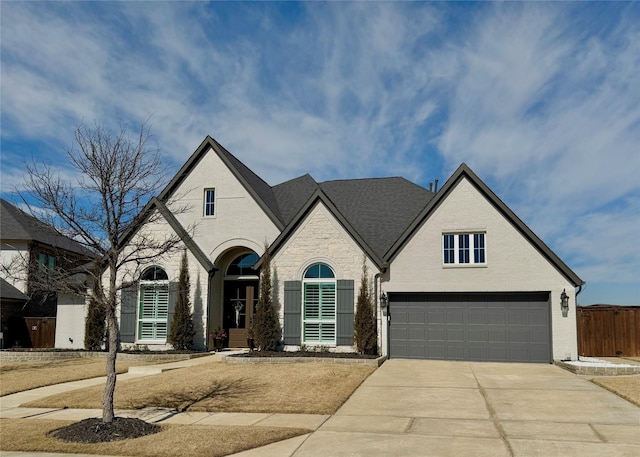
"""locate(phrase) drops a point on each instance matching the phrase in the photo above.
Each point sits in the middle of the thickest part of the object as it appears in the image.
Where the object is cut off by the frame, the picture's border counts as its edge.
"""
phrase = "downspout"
(576, 320)
(376, 278)
(210, 274)
(578, 293)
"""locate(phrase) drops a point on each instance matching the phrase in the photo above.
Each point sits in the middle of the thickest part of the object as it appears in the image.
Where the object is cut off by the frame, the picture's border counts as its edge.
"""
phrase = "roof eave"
(207, 143)
(462, 172)
(317, 197)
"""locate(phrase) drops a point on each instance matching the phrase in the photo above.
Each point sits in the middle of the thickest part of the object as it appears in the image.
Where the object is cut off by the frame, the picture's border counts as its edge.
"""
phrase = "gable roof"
(9, 292)
(380, 214)
(16, 225)
(261, 192)
(374, 211)
(463, 172)
(379, 209)
(292, 195)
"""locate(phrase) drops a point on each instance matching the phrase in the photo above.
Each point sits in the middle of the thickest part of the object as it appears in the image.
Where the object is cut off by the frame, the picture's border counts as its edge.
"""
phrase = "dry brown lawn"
(627, 387)
(186, 441)
(20, 376)
(302, 388)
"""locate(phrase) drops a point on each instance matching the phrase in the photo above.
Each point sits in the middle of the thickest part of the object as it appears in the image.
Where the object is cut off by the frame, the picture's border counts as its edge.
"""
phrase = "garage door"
(503, 327)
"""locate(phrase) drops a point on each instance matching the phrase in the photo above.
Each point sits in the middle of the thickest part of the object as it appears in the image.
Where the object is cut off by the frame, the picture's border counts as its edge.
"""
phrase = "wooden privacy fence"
(608, 331)
(42, 331)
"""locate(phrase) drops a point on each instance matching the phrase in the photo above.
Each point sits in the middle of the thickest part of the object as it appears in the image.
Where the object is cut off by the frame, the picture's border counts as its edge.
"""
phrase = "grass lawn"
(627, 387)
(20, 376)
(302, 388)
(186, 441)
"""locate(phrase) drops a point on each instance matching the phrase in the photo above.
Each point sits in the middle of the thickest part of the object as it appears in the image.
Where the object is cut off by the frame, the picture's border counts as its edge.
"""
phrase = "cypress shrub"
(364, 326)
(95, 327)
(266, 326)
(182, 331)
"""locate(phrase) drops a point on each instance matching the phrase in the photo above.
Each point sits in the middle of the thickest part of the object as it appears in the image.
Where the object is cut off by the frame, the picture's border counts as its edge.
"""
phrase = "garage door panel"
(455, 334)
(455, 317)
(436, 317)
(475, 326)
(436, 333)
(455, 353)
(497, 336)
(478, 335)
(416, 333)
(478, 316)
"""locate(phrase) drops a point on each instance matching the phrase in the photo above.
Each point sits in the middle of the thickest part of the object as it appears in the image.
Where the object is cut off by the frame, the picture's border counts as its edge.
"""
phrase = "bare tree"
(116, 175)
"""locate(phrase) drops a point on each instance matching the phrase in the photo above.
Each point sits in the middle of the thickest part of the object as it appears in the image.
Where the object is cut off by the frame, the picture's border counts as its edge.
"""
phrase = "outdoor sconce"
(383, 301)
(564, 303)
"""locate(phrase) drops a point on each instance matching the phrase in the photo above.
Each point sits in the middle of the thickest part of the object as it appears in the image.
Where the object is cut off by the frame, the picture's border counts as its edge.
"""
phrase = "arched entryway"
(240, 297)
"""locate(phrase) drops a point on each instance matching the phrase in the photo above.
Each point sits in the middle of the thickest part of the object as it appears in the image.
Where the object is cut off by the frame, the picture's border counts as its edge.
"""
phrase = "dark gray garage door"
(504, 327)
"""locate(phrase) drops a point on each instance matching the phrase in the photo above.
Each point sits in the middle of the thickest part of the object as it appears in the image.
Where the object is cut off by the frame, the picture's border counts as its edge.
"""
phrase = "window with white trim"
(210, 202)
(464, 248)
(319, 301)
(153, 310)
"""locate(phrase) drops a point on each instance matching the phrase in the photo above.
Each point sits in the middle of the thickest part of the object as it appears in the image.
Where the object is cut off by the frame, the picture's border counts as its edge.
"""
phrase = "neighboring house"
(462, 276)
(32, 317)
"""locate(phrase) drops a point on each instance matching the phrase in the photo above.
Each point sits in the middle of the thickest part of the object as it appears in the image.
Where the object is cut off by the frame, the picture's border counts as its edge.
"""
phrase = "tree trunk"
(110, 387)
(112, 328)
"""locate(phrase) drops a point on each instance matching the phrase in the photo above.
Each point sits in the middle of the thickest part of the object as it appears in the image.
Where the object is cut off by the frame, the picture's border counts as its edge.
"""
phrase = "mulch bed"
(331, 355)
(95, 431)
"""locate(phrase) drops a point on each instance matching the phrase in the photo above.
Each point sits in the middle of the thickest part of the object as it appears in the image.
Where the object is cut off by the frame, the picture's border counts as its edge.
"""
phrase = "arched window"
(154, 274)
(243, 265)
(153, 310)
(319, 314)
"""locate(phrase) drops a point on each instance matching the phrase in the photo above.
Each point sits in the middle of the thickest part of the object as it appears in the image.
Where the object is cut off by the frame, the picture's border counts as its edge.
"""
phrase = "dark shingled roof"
(379, 209)
(381, 214)
(292, 195)
(9, 292)
(16, 225)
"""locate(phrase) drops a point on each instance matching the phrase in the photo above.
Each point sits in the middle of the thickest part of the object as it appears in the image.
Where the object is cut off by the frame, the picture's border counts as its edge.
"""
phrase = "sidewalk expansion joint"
(600, 436)
(492, 415)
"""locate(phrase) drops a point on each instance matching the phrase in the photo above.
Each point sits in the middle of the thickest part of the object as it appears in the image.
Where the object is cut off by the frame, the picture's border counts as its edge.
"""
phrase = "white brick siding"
(513, 264)
(320, 238)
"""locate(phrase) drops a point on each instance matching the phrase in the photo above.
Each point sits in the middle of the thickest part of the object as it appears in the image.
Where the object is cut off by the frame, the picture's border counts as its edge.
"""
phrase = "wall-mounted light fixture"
(564, 303)
(383, 301)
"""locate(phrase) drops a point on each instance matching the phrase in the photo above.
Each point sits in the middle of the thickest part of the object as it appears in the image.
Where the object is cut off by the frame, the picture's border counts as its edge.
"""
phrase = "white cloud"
(541, 100)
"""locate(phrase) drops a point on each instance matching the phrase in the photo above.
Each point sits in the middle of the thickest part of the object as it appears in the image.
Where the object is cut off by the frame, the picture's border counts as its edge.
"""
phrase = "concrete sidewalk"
(10, 404)
(10, 409)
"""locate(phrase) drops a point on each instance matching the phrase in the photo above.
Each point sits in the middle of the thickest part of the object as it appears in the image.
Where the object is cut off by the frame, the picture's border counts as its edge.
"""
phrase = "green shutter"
(344, 319)
(128, 298)
(292, 312)
(173, 297)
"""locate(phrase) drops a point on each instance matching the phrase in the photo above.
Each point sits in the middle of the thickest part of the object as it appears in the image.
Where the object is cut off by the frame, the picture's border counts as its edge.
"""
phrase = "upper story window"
(464, 249)
(209, 202)
(47, 261)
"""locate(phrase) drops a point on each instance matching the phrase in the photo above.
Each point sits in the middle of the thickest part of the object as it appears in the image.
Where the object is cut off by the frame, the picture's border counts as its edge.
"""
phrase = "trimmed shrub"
(364, 326)
(182, 330)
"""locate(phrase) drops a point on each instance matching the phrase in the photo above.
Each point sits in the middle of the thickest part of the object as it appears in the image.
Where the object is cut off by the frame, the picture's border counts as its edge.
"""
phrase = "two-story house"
(456, 274)
(30, 250)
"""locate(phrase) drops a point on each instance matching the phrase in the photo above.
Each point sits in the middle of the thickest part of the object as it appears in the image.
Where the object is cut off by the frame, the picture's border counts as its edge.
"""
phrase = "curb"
(282, 360)
(598, 371)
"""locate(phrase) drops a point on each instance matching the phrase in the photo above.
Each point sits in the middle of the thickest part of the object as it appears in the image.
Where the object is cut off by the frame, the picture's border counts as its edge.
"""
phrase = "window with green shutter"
(319, 313)
(153, 311)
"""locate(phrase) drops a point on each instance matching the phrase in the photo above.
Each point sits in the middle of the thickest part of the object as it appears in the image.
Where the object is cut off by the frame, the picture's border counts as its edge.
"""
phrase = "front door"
(240, 300)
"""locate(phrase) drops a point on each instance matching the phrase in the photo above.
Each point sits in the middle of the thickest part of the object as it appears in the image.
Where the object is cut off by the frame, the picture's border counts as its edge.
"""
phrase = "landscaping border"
(275, 360)
(43, 356)
(598, 371)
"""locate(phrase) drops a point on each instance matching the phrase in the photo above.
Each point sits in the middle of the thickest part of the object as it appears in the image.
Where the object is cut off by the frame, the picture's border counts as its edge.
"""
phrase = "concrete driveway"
(438, 408)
